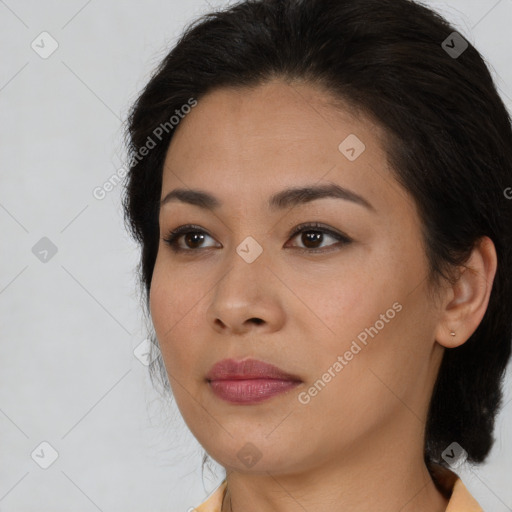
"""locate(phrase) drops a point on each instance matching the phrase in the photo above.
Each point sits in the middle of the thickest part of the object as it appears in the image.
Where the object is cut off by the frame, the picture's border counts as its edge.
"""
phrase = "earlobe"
(470, 296)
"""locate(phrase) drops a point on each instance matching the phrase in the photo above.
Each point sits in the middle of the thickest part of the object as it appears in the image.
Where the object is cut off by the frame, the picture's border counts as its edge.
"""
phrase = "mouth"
(249, 381)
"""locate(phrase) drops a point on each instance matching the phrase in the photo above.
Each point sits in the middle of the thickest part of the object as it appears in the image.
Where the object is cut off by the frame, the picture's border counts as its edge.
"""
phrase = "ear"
(467, 299)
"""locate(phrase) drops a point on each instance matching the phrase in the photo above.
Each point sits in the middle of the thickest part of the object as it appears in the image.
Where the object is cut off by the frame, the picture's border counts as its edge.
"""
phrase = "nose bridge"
(246, 267)
(244, 291)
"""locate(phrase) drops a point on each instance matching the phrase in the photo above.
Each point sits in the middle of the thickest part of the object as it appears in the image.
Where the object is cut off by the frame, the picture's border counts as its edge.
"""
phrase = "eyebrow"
(285, 199)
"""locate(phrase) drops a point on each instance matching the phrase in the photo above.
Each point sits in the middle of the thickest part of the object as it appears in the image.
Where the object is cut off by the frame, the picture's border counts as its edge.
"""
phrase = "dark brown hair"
(449, 143)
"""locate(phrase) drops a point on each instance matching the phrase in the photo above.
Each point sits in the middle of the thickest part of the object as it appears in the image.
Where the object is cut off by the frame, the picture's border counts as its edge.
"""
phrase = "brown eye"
(192, 236)
(192, 240)
(311, 238)
(313, 235)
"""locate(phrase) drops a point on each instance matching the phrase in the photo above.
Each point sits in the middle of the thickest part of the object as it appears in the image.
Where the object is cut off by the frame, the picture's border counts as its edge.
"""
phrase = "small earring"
(452, 333)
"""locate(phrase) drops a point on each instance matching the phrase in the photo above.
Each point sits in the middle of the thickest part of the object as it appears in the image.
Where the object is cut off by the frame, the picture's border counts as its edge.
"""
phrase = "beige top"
(453, 487)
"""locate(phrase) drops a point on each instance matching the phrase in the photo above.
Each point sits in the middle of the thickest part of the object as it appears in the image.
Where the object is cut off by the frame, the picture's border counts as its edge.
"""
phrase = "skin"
(357, 444)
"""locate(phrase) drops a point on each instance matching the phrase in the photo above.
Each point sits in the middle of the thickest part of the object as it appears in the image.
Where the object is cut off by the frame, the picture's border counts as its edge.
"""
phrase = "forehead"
(247, 142)
(275, 114)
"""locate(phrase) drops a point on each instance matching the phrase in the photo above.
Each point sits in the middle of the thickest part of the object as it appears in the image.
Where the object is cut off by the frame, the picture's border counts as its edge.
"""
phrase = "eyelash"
(176, 234)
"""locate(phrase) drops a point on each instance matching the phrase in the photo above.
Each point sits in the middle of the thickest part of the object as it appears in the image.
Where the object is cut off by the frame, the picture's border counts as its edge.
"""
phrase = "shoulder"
(214, 502)
(460, 499)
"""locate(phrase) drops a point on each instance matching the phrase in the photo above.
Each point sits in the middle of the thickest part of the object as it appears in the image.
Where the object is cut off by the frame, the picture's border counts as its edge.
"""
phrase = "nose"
(248, 296)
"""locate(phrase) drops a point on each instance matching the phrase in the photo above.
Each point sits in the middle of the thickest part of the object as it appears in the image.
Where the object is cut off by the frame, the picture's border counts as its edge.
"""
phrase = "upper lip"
(230, 369)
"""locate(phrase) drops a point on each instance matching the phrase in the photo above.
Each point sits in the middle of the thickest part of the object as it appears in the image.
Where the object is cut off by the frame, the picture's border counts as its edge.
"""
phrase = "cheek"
(171, 312)
(382, 334)
(173, 299)
(347, 300)
(361, 313)
(161, 296)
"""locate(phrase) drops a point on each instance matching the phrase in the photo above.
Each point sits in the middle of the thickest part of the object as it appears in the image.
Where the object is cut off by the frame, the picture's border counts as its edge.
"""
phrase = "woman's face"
(351, 320)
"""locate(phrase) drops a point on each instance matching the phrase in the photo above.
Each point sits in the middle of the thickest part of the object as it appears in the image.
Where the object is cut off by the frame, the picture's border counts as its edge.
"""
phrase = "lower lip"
(251, 390)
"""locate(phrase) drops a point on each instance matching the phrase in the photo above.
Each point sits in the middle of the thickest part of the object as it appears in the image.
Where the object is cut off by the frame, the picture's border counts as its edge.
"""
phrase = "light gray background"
(68, 374)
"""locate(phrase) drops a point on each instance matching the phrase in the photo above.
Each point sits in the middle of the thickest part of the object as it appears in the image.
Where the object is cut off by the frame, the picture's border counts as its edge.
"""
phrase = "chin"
(254, 454)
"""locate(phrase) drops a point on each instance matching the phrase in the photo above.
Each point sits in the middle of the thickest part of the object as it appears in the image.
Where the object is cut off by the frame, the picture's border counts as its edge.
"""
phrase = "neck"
(386, 478)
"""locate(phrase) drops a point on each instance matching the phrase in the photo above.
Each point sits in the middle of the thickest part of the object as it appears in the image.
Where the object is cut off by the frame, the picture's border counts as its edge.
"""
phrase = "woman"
(319, 188)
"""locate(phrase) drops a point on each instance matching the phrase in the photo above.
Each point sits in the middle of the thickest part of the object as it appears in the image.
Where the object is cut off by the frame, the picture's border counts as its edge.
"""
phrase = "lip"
(249, 381)
(230, 369)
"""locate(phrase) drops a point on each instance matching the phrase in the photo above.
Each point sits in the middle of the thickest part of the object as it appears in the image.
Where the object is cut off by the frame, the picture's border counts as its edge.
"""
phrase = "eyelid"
(318, 226)
(176, 233)
(343, 239)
